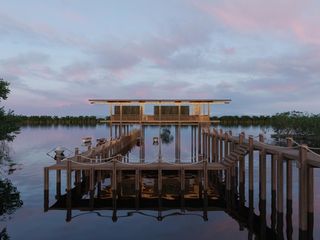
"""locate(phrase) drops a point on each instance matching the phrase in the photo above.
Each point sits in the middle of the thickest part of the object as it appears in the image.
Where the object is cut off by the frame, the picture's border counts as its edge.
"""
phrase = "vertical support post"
(68, 175)
(310, 201)
(182, 183)
(226, 144)
(58, 184)
(241, 174)
(303, 193)
(273, 192)
(177, 147)
(208, 144)
(250, 165)
(279, 160)
(221, 145)
(46, 189)
(120, 126)
(99, 183)
(68, 203)
(289, 193)
(110, 112)
(137, 188)
(199, 140)
(213, 147)
(160, 183)
(91, 202)
(192, 153)
(114, 178)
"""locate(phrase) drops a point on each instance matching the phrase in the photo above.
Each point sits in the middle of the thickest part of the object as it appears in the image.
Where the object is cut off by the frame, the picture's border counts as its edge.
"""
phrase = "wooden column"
(182, 187)
(289, 193)
(303, 193)
(262, 171)
(192, 152)
(279, 160)
(69, 175)
(199, 140)
(310, 201)
(160, 182)
(213, 147)
(226, 144)
(91, 188)
(137, 188)
(99, 179)
(251, 165)
(68, 199)
(273, 191)
(114, 178)
(217, 146)
(58, 184)
(46, 189)
(221, 145)
(241, 174)
(208, 145)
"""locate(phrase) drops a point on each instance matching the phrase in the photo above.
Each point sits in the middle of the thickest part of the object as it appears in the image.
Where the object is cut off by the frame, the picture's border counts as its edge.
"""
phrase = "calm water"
(28, 153)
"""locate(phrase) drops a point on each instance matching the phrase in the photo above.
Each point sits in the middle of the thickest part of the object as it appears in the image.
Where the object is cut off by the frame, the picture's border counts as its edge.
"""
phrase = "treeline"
(55, 120)
(296, 124)
(292, 123)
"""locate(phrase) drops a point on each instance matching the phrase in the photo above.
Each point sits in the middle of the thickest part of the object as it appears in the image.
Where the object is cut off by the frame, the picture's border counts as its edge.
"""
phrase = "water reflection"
(128, 201)
(9, 195)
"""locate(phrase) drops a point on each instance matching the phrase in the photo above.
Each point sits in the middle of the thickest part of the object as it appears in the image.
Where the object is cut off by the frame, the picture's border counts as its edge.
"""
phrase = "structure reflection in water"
(172, 200)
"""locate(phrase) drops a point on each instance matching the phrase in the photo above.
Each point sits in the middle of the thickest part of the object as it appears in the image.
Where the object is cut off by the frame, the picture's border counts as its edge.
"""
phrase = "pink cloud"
(283, 17)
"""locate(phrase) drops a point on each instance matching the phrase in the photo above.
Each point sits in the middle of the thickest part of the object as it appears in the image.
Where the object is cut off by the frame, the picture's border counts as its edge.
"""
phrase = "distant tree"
(8, 122)
(4, 89)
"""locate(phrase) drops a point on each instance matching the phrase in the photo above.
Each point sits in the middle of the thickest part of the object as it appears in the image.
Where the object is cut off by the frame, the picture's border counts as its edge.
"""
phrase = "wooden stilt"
(303, 193)
(46, 189)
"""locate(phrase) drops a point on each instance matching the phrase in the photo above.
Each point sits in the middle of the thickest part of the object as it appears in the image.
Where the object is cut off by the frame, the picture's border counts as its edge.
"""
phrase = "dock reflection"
(129, 200)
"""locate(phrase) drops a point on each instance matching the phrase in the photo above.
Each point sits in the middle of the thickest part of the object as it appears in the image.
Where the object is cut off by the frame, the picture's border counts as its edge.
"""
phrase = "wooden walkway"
(219, 152)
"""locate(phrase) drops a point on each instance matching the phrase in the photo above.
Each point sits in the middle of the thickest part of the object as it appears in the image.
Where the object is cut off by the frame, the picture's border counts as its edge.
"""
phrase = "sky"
(57, 54)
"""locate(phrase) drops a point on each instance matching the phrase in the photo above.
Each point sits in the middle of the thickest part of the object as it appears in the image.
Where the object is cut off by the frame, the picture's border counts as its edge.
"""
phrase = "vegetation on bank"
(55, 120)
(10, 199)
(9, 124)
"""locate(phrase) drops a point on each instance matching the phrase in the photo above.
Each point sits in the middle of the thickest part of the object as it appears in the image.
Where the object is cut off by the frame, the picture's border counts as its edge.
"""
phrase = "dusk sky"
(264, 55)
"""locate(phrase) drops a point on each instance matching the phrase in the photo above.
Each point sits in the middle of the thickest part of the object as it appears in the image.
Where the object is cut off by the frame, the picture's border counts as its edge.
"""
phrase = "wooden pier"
(215, 154)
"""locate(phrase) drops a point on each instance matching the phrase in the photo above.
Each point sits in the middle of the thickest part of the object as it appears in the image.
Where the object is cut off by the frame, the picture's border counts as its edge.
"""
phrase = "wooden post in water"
(241, 174)
(68, 199)
(99, 179)
(221, 145)
(114, 178)
(303, 193)
(160, 183)
(263, 183)
(46, 189)
(273, 192)
(137, 189)
(213, 146)
(251, 179)
(199, 140)
(289, 193)
(226, 144)
(182, 187)
(192, 150)
(262, 171)
(91, 188)
(279, 160)
(208, 145)
(310, 201)
(251, 169)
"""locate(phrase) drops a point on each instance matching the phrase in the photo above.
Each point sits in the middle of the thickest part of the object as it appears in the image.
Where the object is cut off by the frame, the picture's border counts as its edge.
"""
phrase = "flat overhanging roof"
(157, 101)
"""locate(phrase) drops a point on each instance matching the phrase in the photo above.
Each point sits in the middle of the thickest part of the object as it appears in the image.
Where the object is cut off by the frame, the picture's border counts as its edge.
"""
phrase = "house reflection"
(171, 201)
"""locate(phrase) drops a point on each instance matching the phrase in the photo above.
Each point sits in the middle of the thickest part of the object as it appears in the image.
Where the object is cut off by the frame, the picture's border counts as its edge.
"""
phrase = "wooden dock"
(213, 152)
